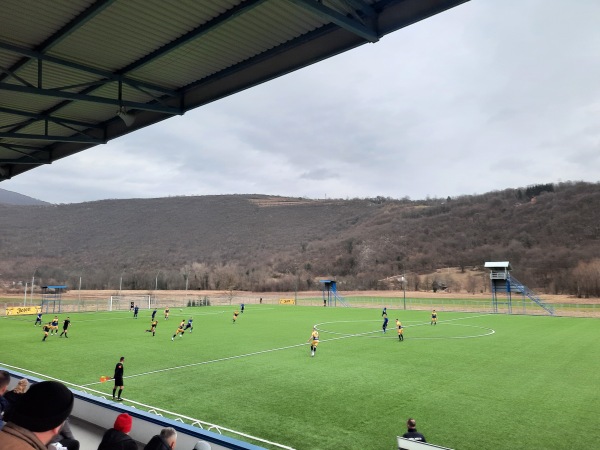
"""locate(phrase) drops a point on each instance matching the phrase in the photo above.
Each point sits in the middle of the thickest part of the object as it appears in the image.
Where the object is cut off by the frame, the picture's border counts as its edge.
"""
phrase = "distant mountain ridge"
(14, 198)
(271, 243)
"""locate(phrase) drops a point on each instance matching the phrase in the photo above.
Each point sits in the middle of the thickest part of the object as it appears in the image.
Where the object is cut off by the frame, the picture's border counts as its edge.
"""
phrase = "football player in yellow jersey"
(314, 341)
(400, 330)
(235, 315)
(167, 313)
(179, 330)
(152, 327)
(46, 328)
(54, 326)
(433, 318)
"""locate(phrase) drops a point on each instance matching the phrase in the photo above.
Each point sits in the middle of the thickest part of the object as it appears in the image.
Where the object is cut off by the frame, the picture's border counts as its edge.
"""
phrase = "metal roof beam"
(25, 161)
(30, 158)
(24, 147)
(45, 137)
(72, 26)
(330, 15)
(58, 120)
(110, 76)
(90, 98)
(197, 32)
(363, 7)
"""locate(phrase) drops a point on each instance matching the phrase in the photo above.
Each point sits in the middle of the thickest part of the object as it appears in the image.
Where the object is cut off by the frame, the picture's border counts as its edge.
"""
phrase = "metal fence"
(162, 300)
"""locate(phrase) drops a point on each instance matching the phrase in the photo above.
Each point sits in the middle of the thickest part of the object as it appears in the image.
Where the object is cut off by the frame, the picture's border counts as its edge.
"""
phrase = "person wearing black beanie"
(31, 426)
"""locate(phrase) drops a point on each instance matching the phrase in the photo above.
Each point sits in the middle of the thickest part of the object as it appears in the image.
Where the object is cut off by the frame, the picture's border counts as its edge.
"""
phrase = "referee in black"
(118, 377)
(66, 324)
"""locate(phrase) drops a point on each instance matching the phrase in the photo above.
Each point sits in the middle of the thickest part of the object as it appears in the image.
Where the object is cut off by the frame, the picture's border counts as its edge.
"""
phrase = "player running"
(385, 322)
(400, 330)
(38, 319)
(314, 341)
(179, 330)
(433, 318)
(166, 313)
(153, 325)
(54, 326)
(189, 325)
(66, 324)
(235, 316)
(46, 329)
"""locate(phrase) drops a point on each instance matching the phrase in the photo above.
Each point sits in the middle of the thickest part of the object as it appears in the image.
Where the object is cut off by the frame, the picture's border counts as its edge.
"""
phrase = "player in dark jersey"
(189, 325)
(385, 322)
(118, 377)
(384, 312)
(135, 311)
(153, 313)
(66, 324)
(38, 319)
(152, 327)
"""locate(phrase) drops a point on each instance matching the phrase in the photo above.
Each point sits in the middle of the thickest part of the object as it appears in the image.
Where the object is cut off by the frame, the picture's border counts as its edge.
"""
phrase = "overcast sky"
(489, 95)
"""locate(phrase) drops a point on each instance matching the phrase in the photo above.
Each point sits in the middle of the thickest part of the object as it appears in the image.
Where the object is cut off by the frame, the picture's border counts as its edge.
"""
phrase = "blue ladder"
(517, 286)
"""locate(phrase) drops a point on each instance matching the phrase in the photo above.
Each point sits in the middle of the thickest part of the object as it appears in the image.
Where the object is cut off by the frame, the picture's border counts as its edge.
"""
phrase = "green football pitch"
(473, 381)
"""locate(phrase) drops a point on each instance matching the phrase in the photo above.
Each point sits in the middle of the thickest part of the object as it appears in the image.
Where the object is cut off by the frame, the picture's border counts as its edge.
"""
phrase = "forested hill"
(13, 198)
(256, 242)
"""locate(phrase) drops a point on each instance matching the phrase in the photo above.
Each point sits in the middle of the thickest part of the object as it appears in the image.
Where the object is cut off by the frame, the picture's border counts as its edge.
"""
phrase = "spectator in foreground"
(12, 396)
(66, 438)
(166, 440)
(202, 445)
(37, 417)
(412, 432)
(4, 381)
(117, 437)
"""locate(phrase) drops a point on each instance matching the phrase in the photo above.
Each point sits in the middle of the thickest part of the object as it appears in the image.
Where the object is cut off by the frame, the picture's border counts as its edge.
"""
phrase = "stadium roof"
(79, 73)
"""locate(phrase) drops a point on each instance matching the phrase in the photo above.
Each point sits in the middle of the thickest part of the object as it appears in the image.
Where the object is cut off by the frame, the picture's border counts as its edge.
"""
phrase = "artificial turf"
(474, 381)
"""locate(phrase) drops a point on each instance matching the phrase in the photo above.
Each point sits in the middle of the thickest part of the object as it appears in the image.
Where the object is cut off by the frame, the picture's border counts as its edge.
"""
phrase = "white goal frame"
(123, 302)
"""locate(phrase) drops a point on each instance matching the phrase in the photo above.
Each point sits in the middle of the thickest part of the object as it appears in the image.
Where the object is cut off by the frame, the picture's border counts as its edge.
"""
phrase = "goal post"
(125, 302)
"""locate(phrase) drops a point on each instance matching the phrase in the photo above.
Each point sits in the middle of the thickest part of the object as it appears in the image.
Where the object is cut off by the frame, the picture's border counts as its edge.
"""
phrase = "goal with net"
(128, 302)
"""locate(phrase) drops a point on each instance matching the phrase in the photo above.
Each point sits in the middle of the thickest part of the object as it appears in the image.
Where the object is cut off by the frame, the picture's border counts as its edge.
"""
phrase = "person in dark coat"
(412, 432)
(117, 437)
(166, 440)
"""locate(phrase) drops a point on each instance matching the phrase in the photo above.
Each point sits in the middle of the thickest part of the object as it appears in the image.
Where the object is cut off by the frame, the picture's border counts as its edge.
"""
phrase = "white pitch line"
(229, 358)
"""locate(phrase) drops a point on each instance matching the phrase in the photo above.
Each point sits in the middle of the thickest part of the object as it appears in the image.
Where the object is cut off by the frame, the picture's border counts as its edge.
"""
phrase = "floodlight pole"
(25, 294)
(32, 281)
(79, 290)
(404, 290)
(156, 281)
(121, 281)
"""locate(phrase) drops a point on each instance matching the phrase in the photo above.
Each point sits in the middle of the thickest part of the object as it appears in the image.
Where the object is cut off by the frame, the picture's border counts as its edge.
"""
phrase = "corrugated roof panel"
(8, 59)
(116, 41)
(32, 21)
(89, 112)
(26, 102)
(249, 35)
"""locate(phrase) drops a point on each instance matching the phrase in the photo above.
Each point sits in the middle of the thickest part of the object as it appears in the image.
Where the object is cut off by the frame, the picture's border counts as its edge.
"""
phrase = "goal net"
(128, 302)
